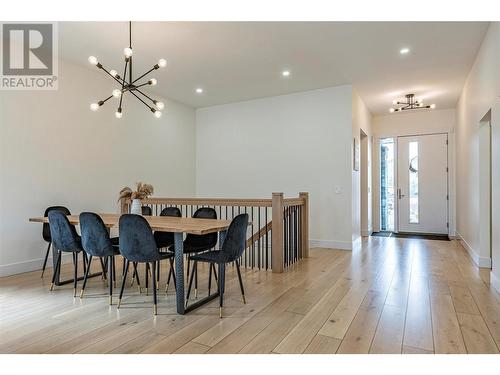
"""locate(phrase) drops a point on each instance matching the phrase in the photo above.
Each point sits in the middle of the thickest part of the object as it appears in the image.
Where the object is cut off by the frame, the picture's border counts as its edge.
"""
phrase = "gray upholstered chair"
(164, 240)
(195, 243)
(97, 243)
(46, 232)
(137, 244)
(64, 239)
(232, 249)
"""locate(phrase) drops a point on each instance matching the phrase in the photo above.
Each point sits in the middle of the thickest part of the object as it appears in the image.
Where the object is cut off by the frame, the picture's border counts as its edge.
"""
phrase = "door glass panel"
(387, 198)
(413, 182)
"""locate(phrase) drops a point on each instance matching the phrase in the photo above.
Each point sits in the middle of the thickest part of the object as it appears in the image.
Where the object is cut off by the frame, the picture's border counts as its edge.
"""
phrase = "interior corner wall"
(480, 94)
(55, 151)
(288, 143)
(361, 121)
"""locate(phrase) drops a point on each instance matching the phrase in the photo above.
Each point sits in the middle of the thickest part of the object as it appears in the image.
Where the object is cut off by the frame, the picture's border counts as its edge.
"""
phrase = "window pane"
(413, 188)
(387, 197)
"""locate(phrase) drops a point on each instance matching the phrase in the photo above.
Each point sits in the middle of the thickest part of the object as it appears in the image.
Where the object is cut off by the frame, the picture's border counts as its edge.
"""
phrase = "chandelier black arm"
(145, 74)
(123, 83)
(119, 80)
(142, 84)
(101, 102)
(147, 96)
(146, 104)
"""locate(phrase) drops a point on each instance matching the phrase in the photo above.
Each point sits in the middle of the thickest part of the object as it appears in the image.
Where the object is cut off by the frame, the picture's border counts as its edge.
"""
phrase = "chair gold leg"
(195, 293)
(147, 293)
(220, 312)
(81, 294)
(139, 288)
(155, 310)
(119, 303)
(51, 286)
(110, 300)
(166, 289)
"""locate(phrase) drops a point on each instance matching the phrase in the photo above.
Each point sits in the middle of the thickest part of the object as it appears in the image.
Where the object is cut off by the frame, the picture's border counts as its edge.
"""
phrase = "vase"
(136, 207)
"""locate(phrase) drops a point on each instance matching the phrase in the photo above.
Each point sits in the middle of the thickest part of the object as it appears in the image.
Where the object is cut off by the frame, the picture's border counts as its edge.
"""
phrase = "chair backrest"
(146, 210)
(63, 234)
(164, 239)
(137, 243)
(206, 241)
(46, 226)
(95, 235)
(235, 241)
(171, 211)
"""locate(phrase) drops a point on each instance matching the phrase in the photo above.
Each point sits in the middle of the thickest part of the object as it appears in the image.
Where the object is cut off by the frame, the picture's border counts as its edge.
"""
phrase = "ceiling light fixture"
(410, 103)
(285, 73)
(199, 90)
(404, 51)
(131, 85)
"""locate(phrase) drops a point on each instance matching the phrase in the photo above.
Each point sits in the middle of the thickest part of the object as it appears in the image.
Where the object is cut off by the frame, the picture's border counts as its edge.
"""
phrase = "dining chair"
(96, 242)
(64, 239)
(137, 244)
(164, 240)
(46, 232)
(199, 243)
(147, 211)
(230, 251)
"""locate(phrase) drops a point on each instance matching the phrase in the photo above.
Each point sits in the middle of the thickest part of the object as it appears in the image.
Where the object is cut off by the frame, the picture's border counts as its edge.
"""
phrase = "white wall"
(480, 94)
(55, 151)
(361, 120)
(289, 143)
(412, 123)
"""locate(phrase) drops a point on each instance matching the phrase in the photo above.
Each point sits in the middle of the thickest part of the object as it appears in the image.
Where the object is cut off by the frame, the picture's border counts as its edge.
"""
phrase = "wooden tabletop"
(159, 223)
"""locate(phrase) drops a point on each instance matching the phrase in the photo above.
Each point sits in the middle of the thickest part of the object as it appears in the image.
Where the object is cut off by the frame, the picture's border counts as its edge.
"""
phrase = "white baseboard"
(329, 244)
(30, 265)
(366, 233)
(495, 281)
(481, 262)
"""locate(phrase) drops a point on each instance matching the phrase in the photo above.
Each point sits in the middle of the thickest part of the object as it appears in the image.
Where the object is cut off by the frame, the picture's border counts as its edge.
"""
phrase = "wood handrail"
(293, 202)
(210, 201)
(261, 233)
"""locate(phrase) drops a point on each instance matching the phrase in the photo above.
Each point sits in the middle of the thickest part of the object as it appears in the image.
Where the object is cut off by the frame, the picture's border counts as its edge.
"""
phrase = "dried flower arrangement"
(142, 191)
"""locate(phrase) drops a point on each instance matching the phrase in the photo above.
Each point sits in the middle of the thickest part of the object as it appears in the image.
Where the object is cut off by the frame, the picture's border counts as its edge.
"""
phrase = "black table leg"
(222, 237)
(179, 272)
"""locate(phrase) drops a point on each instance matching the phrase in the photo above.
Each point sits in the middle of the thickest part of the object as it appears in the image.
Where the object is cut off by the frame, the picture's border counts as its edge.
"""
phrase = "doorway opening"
(365, 184)
(414, 185)
(484, 170)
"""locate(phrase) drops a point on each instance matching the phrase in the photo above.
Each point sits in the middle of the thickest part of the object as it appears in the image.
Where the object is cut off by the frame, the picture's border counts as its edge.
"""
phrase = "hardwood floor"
(391, 295)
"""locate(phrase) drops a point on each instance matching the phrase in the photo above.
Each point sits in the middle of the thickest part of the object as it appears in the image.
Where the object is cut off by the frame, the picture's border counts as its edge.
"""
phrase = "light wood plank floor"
(388, 296)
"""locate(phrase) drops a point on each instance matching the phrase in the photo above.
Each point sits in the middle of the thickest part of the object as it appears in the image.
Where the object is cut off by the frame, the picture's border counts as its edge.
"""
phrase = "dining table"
(176, 225)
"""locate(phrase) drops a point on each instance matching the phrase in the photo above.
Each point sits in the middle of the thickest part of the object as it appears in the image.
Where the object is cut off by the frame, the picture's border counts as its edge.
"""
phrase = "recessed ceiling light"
(199, 90)
(433, 106)
(404, 51)
(285, 73)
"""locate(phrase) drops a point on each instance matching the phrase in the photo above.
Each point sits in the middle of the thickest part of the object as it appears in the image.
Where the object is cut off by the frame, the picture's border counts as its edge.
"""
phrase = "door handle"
(399, 194)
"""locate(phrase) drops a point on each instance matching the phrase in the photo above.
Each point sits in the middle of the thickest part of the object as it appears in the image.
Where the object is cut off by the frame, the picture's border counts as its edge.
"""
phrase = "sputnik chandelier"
(410, 103)
(131, 85)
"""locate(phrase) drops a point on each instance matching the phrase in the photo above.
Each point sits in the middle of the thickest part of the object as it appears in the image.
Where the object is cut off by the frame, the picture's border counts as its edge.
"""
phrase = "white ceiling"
(236, 61)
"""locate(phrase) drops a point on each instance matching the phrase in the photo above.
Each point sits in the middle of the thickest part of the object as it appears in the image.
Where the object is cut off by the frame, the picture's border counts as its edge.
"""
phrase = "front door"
(422, 191)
